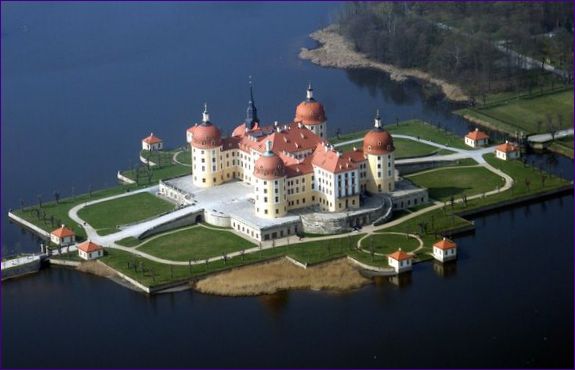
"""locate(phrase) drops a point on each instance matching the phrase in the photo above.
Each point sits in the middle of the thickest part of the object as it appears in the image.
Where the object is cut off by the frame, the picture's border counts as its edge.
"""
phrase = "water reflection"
(275, 303)
(446, 269)
(401, 280)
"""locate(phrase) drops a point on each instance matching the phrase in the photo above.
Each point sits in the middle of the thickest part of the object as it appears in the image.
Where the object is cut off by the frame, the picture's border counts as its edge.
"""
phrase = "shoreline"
(336, 51)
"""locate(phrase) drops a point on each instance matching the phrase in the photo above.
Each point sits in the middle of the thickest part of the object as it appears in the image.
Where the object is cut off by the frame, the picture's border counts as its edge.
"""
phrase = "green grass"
(60, 211)
(157, 173)
(160, 157)
(195, 243)
(348, 136)
(524, 113)
(389, 243)
(184, 157)
(427, 132)
(455, 182)
(152, 273)
(105, 216)
(130, 241)
(405, 148)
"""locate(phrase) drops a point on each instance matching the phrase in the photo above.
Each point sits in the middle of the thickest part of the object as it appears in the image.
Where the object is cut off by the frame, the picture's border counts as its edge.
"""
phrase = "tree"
(527, 183)
(543, 178)
(90, 189)
(22, 204)
(40, 200)
(57, 197)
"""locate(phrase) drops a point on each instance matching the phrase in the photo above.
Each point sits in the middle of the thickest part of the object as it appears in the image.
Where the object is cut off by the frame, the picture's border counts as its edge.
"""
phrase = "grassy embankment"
(166, 168)
(446, 182)
(531, 114)
(151, 273)
(59, 211)
(106, 216)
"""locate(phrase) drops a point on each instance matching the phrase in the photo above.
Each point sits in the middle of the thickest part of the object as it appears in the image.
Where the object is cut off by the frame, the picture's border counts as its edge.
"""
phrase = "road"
(543, 138)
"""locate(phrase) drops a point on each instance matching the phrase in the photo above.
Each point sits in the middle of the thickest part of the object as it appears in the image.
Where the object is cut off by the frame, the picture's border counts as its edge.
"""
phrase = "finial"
(268, 148)
(309, 92)
(377, 120)
(206, 115)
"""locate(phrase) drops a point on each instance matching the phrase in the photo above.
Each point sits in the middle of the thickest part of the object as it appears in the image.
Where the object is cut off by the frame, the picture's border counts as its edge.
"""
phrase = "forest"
(484, 47)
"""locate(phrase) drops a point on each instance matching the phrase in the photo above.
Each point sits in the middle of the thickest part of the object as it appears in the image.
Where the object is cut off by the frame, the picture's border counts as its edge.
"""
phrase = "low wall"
(29, 225)
(146, 161)
(59, 262)
(406, 169)
(322, 223)
(566, 189)
(183, 221)
(124, 179)
(217, 219)
(382, 271)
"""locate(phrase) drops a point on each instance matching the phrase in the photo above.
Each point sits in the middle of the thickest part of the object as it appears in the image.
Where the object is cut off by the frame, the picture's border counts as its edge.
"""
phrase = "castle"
(292, 165)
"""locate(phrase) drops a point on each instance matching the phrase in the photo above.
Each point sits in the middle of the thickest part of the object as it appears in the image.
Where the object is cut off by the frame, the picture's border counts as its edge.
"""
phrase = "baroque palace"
(292, 166)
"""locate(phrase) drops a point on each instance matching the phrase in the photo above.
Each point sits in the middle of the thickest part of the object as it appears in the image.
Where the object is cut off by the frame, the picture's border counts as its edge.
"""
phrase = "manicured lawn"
(142, 177)
(563, 146)
(388, 243)
(455, 182)
(105, 216)
(524, 113)
(130, 241)
(160, 157)
(185, 157)
(195, 243)
(405, 148)
(60, 211)
(427, 132)
(152, 273)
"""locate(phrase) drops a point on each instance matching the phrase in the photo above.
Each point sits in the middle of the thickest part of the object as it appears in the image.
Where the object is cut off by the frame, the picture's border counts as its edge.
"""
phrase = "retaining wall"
(183, 221)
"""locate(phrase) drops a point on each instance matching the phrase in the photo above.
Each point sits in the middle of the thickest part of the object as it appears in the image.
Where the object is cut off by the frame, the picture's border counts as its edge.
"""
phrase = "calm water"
(83, 83)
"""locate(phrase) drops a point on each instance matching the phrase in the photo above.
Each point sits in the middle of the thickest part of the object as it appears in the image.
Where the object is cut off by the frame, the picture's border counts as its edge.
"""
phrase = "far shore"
(336, 51)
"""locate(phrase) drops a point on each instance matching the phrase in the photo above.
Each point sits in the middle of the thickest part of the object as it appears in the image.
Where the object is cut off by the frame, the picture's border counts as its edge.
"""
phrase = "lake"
(83, 83)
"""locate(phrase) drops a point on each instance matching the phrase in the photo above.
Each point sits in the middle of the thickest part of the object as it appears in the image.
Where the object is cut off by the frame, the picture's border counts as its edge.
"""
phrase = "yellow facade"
(207, 167)
(271, 199)
(381, 176)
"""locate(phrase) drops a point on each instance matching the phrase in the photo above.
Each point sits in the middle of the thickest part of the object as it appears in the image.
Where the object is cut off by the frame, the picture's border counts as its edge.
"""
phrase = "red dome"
(241, 129)
(269, 167)
(206, 136)
(310, 112)
(378, 141)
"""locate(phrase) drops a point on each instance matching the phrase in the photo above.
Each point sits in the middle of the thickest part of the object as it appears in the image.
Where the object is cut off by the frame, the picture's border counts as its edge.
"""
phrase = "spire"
(205, 115)
(309, 94)
(252, 111)
(377, 120)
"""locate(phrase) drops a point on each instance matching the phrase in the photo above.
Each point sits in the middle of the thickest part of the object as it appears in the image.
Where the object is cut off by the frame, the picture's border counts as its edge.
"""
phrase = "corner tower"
(379, 151)
(270, 185)
(205, 142)
(311, 113)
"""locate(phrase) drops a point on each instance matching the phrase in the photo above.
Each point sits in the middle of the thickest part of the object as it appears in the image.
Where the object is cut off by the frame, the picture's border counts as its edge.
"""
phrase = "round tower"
(206, 141)
(270, 185)
(379, 150)
(311, 113)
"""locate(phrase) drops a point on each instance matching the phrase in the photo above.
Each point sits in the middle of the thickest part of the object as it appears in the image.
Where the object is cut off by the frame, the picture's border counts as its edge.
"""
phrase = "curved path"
(175, 159)
(137, 229)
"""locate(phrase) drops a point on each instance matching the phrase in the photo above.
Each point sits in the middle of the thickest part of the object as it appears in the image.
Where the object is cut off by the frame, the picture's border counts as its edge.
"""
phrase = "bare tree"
(57, 197)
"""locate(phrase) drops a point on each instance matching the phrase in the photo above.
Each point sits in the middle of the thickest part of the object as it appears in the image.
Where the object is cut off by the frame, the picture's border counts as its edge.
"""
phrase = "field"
(195, 243)
(527, 114)
(448, 182)
(106, 216)
(384, 243)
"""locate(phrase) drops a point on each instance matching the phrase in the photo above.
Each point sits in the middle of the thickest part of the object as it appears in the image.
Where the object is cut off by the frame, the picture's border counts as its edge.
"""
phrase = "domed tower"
(270, 185)
(311, 113)
(379, 150)
(206, 141)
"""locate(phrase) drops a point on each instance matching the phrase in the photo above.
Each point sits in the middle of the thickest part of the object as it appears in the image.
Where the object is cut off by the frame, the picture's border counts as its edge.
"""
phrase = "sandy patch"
(97, 268)
(336, 51)
(281, 275)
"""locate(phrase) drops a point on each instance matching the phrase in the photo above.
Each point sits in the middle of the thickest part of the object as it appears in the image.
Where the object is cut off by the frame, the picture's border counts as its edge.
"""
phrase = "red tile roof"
(88, 247)
(445, 244)
(62, 232)
(507, 147)
(399, 255)
(152, 139)
(333, 161)
(477, 135)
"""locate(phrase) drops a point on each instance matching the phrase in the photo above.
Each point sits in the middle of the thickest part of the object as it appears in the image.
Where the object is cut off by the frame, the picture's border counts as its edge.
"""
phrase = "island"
(281, 206)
